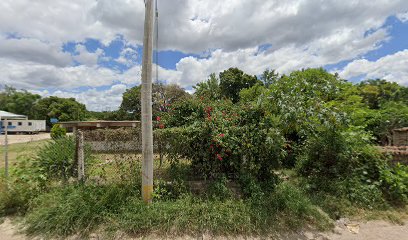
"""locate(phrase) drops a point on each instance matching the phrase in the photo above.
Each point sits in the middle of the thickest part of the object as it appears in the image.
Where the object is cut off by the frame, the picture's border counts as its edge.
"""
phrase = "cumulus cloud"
(33, 50)
(196, 26)
(38, 76)
(128, 57)
(392, 68)
(403, 17)
(191, 70)
(85, 57)
(95, 100)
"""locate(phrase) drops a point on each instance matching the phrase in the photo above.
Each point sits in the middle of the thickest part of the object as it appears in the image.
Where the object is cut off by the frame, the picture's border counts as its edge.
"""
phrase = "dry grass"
(17, 150)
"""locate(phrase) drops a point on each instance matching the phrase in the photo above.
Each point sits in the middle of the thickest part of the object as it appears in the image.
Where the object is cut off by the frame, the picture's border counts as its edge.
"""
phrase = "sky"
(92, 49)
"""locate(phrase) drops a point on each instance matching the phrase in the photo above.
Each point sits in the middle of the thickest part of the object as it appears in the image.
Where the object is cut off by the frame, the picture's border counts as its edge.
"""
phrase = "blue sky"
(92, 50)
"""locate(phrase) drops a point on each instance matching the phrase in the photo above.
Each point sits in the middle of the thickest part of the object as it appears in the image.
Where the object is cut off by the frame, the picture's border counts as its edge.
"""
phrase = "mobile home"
(20, 123)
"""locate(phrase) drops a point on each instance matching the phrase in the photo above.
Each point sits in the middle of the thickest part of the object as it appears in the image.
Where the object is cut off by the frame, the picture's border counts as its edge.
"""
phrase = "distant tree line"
(36, 107)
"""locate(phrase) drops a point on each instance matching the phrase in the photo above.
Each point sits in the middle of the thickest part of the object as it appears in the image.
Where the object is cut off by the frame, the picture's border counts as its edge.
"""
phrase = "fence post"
(80, 155)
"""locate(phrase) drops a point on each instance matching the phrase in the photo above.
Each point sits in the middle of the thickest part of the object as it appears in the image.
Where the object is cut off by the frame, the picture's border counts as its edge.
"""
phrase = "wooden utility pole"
(147, 124)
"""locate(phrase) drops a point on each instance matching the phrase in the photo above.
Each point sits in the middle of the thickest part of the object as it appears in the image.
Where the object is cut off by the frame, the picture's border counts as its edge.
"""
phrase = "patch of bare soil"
(19, 138)
(344, 230)
(8, 231)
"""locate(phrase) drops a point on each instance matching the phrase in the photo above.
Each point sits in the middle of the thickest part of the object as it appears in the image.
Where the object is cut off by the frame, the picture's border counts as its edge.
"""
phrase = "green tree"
(268, 77)
(379, 91)
(390, 116)
(17, 101)
(163, 97)
(209, 89)
(233, 80)
(64, 109)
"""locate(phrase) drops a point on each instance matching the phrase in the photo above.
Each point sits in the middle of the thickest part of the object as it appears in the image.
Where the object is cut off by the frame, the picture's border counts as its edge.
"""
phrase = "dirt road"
(24, 138)
(373, 230)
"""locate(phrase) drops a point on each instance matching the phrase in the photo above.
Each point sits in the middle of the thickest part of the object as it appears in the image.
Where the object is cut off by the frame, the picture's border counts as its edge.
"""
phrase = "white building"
(20, 123)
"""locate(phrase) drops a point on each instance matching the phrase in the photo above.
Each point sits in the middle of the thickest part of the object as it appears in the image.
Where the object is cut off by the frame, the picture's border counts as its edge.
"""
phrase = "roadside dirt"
(24, 138)
(8, 231)
(372, 230)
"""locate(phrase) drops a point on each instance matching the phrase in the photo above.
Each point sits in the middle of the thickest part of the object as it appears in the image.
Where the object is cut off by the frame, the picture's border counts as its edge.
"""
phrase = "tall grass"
(82, 209)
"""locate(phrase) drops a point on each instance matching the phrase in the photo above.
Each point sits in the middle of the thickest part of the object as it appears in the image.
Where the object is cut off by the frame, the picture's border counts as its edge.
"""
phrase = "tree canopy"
(18, 101)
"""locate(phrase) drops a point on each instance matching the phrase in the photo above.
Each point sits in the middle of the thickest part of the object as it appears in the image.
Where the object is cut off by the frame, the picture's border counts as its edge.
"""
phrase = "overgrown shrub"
(58, 132)
(395, 183)
(343, 162)
(56, 160)
(223, 139)
(15, 196)
(340, 154)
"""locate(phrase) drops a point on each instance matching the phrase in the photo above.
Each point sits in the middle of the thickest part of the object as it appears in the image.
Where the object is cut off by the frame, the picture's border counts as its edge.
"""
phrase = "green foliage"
(337, 154)
(252, 94)
(64, 109)
(18, 101)
(84, 208)
(381, 122)
(162, 96)
(395, 183)
(228, 85)
(77, 208)
(221, 138)
(56, 160)
(58, 132)
(209, 89)
(24, 183)
(15, 196)
(164, 190)
(269, 77)
(218, 189)
(377, 92)
(233, 80)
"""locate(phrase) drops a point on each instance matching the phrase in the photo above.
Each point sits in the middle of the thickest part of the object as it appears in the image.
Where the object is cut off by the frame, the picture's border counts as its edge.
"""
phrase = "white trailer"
(20, 123)
(25, 126)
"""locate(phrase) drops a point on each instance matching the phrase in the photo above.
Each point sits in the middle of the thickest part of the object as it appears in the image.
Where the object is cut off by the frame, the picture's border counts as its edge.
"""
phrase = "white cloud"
(392, 68)
(128, 57)
(102, 100)
(33, 50)
(85, 57)
(194, 25)
(403, 17)
(191, 70)
(39, 76)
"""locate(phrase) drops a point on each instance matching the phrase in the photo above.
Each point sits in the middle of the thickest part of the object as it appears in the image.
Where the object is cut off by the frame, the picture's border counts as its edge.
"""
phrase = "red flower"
(219, 157)
(161, 126)
(222, 135)
(158, 118)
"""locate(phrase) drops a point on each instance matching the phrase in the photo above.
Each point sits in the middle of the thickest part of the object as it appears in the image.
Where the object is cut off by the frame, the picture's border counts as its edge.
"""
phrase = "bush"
(58, 132)
(336, 155)
(395, 183)
(344, 163)
(222, 139)
(56, 160)
(15, 197)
